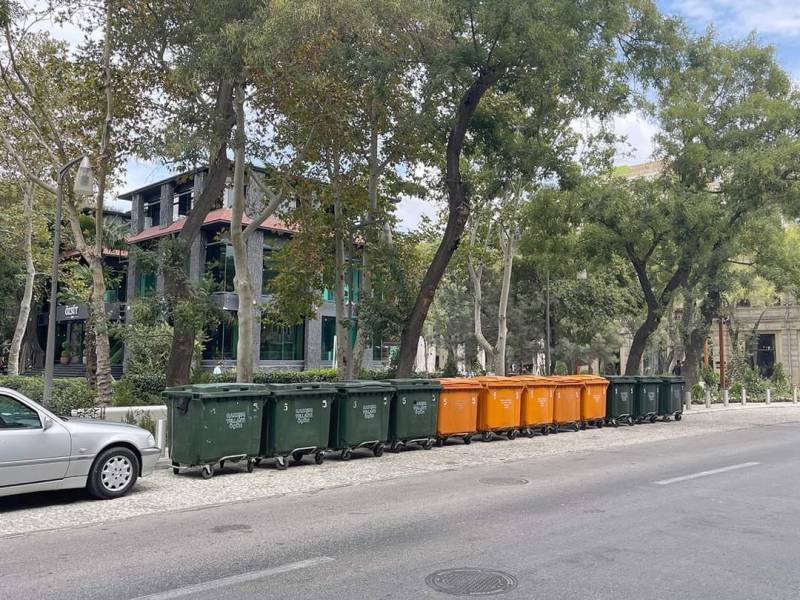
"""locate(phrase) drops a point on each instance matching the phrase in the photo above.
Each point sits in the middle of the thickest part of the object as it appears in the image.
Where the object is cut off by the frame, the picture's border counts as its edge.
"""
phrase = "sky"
(774, 22)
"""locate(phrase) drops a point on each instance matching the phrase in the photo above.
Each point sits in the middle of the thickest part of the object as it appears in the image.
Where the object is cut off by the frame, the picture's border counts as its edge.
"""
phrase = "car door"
(33, 447)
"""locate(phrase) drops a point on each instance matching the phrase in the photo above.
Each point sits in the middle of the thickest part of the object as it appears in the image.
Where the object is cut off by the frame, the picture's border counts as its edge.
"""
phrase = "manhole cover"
(503, 481)
(471, 582)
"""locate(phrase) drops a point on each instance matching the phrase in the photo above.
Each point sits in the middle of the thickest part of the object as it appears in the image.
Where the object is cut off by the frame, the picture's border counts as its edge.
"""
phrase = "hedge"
(68, 393)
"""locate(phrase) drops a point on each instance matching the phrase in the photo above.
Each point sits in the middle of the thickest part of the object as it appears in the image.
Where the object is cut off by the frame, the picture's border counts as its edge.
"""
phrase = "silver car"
(40, 451)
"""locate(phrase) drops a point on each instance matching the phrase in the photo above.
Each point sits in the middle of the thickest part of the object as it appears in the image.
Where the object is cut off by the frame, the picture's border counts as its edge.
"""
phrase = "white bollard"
(794, 395)
(769, 396)
(708, 398)
(744, 396)
(161, 435)
(726, 398)
(687, 400)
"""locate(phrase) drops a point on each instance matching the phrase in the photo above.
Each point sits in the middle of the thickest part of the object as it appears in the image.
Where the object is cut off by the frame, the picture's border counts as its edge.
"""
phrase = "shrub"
(141, 390)
(68, 393)
(698, 392)
(450, 367)
(561, 368)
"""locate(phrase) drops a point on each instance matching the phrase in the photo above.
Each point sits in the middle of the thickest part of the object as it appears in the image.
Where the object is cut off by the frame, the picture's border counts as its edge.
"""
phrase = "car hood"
(108, 427)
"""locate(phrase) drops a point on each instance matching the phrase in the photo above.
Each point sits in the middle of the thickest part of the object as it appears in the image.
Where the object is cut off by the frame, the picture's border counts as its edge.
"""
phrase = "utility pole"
(547, 321)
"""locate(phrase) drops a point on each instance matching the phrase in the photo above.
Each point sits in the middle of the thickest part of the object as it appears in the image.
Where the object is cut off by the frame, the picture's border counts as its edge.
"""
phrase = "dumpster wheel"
(512, 434)
(377, 450)
(251, 465)
(678, 416)
(346, 454)
(427, 444)
(546, 430)
(439, 442)
(467, 439)
(297, 457)
(280, 463)
(396, 447)
(207, 472)
(653, 418)
(486, 436)
(319, 457)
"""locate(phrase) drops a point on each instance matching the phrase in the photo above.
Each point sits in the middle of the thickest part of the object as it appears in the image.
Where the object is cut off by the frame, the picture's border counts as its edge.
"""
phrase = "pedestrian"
(676, 370)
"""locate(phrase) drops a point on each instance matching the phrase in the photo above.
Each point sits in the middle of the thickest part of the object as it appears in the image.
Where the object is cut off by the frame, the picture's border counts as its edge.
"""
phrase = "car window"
(16, 415)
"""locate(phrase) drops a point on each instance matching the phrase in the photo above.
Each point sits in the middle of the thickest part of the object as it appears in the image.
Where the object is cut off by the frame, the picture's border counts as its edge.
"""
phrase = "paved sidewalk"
(164, 492)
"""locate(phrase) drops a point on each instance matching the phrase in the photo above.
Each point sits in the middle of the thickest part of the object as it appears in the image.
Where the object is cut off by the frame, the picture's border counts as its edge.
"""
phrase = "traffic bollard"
(725, 397)
(161, 435)
(794, 395)
(687, 400)
(744, 396)
(708, 398)
(769, 396)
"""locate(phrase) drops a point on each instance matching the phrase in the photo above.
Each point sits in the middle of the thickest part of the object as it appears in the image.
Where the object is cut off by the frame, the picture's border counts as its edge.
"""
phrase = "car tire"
(113, 473)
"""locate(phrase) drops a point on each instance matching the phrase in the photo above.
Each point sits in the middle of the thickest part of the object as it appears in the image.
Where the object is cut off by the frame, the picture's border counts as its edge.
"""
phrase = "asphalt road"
(706, 517)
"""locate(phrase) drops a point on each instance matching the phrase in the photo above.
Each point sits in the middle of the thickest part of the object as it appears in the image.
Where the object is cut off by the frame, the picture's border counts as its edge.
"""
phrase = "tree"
(729, 118)
(59, 106)
(517, 48)
(30, 275)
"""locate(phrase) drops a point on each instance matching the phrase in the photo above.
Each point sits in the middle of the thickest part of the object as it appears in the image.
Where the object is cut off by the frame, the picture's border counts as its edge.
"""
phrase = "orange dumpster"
(593, 401)
(458, 409)
(537, 404)
(567, 402)
(499, 405)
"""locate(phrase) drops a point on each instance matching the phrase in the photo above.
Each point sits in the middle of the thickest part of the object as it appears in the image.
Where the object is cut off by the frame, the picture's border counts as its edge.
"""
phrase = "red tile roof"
(220, 215)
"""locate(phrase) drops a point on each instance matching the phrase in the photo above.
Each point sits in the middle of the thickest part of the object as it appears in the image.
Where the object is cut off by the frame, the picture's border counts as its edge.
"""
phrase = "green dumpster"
(670, 398)
(297, 422)
(213, 423)
(619, 400)
(360, 417)
(645, 400)
(413, 411)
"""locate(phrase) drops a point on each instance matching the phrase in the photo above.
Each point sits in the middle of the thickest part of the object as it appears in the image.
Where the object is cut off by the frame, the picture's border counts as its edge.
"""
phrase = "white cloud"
(638, 133)
(411, 210)
(740, 17)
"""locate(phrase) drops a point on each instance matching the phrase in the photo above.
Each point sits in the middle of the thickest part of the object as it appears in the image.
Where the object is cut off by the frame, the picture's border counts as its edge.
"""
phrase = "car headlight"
(150, 442)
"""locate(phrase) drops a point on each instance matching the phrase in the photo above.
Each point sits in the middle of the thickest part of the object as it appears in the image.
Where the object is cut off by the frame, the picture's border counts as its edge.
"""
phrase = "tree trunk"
(14, 366)
(458, 214)
(476, 275)
(634, 363)
(176, 284)
(242, 282)
(91, 351)
(344, 350)
(507, 244)
(102, 346)
(372, 193)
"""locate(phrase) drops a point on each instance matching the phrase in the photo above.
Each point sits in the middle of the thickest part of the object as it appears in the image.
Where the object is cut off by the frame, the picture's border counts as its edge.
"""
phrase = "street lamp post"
(82, 187)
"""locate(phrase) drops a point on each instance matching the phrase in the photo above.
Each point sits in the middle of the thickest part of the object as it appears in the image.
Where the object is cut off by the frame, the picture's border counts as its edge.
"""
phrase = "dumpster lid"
(499, 381)
(218, 389)
(362, 386)
(567, 380)
(459, 383)
(677, 379)
(536, 380)
(621, 378)
(414, 384)
(650, 378)
(302, 389)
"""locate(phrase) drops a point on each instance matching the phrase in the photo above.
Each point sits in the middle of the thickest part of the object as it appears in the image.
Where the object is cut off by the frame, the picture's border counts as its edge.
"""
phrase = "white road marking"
(216, 584)
(706, 473)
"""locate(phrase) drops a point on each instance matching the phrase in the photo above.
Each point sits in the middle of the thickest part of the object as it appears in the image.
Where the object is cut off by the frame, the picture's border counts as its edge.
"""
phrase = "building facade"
(159, 210)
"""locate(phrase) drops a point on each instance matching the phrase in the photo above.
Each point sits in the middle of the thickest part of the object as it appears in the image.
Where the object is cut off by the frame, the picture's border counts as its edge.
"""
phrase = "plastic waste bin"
(360, 417)
(458, 409)
(593, 401)
(413, 411)
(213, 423)
(499, 405)
(645, 405)
(619, 400)
(536, 413)
(567, 402)
(670, 397)
(298, 420)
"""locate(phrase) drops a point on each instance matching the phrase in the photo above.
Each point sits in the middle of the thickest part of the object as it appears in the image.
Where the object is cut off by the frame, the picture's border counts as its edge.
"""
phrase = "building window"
(219, 264)
(352, 283)
(152, 213)
(268, 272)
(221, 344)
(282, 343)
(328, 337)
(384, 350)
(181, 204)
(764, 359)
(147, 284)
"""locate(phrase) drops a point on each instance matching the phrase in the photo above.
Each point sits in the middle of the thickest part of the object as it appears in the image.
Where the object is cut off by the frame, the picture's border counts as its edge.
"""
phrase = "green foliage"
(698, 392)
(68, 393)
(561, 368)
(709, 376)
(450, 367)
(780, 380)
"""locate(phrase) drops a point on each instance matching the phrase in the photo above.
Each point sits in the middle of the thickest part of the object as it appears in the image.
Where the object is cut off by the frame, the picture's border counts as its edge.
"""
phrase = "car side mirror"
(47, 423)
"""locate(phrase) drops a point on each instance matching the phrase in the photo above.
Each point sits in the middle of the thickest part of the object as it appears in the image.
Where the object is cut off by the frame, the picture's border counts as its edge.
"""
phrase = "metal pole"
(50, 350)
(721, 355)
(547, 322)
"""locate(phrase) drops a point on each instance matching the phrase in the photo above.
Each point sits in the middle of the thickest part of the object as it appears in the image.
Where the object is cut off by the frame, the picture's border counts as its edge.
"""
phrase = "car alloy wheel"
(116, 473)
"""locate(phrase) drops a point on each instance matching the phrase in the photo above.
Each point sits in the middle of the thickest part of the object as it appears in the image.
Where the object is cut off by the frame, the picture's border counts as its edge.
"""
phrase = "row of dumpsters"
(213, 424)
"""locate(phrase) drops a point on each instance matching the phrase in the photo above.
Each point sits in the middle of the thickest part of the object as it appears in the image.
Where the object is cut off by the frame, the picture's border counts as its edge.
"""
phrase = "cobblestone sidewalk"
(165, 492)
